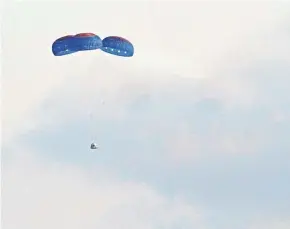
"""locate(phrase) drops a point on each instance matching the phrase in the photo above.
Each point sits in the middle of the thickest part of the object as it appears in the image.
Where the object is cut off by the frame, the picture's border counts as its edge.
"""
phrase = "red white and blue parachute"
(114, 45)
(118, 46)
(74, 43)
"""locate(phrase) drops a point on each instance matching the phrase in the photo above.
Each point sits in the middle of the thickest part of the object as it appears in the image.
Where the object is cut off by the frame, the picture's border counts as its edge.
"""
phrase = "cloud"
(271, 224)
(175, 119)
(207, 117)
(215, 39)
(44, 195)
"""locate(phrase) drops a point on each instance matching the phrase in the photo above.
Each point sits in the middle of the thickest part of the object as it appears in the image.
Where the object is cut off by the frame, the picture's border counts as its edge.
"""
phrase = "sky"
(193, 129)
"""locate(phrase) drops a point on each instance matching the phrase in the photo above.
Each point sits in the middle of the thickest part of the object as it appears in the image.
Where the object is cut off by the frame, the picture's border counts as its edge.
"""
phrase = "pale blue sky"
(193, 130)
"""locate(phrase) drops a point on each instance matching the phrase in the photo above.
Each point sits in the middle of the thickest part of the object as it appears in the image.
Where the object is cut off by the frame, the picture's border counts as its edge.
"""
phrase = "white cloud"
(207, 45)
(42, 195)
(188, 146)
(271, 224)
(206, 40)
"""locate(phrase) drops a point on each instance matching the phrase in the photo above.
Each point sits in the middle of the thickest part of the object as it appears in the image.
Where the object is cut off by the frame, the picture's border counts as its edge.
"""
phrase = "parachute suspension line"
(96, 102)
(91, 122)
(92, 108)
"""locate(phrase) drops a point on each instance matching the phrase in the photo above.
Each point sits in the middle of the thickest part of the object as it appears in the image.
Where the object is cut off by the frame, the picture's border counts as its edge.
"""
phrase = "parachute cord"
(96, 103)
(91, 120)
(91, 127)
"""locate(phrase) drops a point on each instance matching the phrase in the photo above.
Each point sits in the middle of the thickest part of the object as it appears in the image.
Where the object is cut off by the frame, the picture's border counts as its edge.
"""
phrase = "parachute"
(118, 46)
(114, 45)
(79, 42)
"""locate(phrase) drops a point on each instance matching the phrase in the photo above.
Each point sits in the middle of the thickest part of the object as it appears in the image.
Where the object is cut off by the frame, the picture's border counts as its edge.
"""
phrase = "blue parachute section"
(118, 46)
(64, 46)
(88, 41)
(80, 42)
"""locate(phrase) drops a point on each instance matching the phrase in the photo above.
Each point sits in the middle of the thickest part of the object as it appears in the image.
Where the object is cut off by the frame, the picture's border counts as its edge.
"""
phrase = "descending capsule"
(118, 46)
(79, 42)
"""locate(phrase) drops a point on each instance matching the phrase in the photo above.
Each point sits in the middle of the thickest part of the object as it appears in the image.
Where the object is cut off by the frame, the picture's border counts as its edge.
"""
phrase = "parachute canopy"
(79, 42)
(118, 46)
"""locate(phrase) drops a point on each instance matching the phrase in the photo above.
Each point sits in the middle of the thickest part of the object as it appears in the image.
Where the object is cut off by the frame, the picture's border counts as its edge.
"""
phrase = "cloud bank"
(193, 134)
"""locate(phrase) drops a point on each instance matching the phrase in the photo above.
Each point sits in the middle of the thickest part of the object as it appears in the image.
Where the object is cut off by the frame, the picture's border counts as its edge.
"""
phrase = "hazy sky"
(193, 132)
